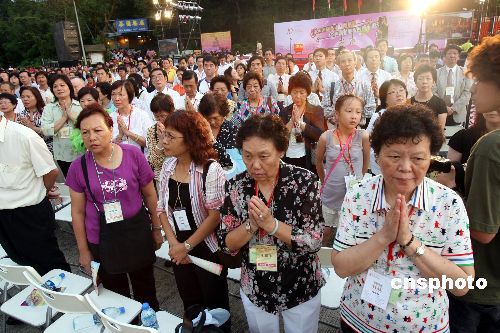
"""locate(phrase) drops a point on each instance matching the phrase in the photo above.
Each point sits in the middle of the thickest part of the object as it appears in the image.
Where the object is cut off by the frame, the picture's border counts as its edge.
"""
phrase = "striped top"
(438, 219)
(201, 203)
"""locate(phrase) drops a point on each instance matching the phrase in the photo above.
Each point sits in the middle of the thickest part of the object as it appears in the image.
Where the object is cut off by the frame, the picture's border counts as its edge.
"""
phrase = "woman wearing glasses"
(190, 195)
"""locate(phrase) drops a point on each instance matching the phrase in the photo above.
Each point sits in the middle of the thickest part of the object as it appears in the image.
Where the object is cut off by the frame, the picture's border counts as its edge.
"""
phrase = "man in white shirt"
(159, 78)
(42, 79)
(330, 61)
(210, 69)
(453, 86)
(198, 68)
(280, 80)
(373, 74)
(223, 65)
(268, 64)
(389, 64)
(192, 97)
(7, 87)
(309, 66)
(25, 79)
(27, 221)
(350, 85)
(322, 77)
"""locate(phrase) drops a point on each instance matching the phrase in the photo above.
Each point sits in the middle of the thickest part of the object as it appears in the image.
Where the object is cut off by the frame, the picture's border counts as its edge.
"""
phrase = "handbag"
(225, 258)
(124, 246)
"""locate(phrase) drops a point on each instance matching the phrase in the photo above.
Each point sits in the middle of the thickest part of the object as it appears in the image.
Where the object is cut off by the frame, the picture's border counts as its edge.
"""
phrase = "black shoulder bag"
(124, 246)
(226, 259)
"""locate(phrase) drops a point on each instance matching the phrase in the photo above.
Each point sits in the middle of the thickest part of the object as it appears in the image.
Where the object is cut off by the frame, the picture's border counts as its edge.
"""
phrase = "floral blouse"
(225, 140)
(296, 203)
(245, 111)
(37, 122)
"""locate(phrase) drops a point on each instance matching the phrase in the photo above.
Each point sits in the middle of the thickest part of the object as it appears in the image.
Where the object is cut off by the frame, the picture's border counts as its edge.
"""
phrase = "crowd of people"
(337, 154)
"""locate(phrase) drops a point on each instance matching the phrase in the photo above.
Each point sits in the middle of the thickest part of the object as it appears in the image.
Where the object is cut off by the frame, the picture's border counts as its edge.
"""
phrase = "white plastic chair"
(74, 305)
(167, 322)
(5, 286)
(35, 315)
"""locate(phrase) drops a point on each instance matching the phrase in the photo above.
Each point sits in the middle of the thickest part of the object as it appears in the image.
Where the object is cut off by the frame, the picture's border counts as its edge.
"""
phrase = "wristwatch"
(419, 251)
(188, 246)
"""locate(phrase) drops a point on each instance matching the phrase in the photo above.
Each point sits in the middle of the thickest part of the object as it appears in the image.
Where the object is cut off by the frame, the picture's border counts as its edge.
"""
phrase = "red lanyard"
(390, 256)
(348, 143)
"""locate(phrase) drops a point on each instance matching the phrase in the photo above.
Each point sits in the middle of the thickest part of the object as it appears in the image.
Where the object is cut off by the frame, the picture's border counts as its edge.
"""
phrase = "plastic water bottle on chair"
(86, 321)
(54, 283)
(148, 316)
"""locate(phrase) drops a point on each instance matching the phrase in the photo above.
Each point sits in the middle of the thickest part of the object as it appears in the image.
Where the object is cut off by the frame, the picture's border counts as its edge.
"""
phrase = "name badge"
(181, 220)
(450, 91)
(377, 289)
(267, 258)
(65, 132)
(113, 211)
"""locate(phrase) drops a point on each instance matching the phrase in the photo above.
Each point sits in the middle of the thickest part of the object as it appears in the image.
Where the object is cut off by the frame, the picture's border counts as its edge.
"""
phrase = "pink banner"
(216, 41)
(354, 32)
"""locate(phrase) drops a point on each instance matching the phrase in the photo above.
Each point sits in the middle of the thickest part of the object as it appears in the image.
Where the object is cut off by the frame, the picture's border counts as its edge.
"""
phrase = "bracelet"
(153, 227)
(276, 226)
(409, 243)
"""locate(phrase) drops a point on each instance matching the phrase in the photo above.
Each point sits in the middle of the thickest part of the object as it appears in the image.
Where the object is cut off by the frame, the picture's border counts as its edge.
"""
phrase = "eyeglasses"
(170, 137)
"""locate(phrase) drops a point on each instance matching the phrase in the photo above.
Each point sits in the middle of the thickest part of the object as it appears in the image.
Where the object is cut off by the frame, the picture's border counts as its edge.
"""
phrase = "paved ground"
(167, 292)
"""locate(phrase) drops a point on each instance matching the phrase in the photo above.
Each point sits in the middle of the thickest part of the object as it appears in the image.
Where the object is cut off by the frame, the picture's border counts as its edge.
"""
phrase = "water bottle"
(88, 320)
(54, 282)
(148, 317)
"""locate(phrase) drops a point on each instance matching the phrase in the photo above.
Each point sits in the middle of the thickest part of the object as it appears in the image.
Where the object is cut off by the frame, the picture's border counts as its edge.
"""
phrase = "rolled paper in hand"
(212, 267)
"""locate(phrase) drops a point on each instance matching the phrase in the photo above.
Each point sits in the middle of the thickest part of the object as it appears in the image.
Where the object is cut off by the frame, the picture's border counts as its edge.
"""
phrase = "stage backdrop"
(354, 32)
(216, 41)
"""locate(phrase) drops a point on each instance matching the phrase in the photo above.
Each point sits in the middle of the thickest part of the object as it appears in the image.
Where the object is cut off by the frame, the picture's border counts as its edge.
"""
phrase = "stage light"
(419, 7)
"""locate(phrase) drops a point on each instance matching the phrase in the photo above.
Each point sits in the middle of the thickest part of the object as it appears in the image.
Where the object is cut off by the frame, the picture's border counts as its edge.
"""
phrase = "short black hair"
(254, 58)
(384, 88)
(415, 121)
(211, 59)
(188, 75)
(10, 97)
(88, 91)
(42, 73)
(220, 78)
(105, 88)
(158, 69)
(265, 126)
(322, 50)
(452, 47)
(403, 57)
(425, 69)
(300, 80)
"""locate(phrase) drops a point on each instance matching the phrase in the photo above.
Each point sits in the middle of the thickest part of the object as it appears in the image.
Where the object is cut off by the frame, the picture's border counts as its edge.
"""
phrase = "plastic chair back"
(13, 273)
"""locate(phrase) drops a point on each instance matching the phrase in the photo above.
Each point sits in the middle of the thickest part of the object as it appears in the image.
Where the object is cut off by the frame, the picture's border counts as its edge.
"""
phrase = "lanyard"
(99, 173)
(390, 256)
(348, 143)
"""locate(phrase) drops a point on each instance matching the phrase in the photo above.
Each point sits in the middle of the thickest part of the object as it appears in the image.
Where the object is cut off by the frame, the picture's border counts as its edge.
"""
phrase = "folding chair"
(35, 315)
(166, 321)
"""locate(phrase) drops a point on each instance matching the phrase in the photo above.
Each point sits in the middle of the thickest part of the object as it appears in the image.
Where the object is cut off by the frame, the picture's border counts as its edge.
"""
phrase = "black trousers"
(142, 281)
(198, 286)
(466, 317)
(27, 235)
(64, 167)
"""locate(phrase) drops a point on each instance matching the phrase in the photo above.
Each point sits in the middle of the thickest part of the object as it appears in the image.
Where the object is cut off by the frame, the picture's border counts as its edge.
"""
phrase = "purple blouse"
(131, 175)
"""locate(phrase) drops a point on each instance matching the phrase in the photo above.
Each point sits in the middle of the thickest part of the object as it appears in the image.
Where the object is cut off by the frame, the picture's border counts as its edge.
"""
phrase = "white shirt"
(195, 101)
(309, 67)
(327, 78)
(273, 79)
(204, 86)
(24, 160)
(366, 76)
(47, 95)
(137, 122)
(176, 97)
(200, 74)
(19, 107)
(222, 69)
